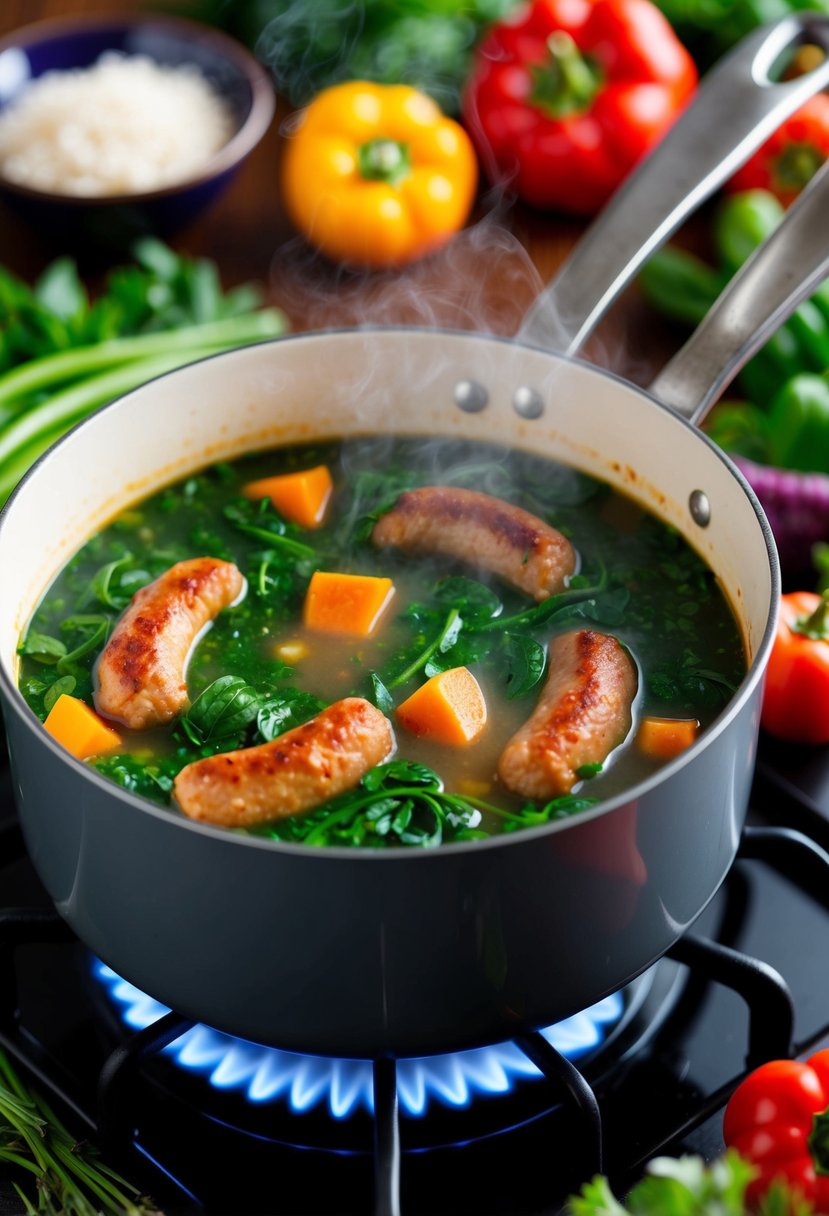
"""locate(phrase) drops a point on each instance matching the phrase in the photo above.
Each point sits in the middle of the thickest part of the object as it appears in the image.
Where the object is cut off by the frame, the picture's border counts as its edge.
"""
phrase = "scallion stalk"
(43, 373)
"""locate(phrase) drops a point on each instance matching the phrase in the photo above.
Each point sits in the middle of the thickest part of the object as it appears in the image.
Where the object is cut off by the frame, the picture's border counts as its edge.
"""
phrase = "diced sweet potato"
(664, 738)
(301, 497)
(79, 729)
(449, 708)
(346, 603)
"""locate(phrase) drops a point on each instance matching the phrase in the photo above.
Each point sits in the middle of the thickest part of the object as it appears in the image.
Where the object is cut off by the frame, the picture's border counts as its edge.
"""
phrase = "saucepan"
(407, 952)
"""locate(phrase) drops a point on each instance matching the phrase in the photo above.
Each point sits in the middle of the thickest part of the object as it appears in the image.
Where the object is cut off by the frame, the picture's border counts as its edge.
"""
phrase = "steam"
(483, 280)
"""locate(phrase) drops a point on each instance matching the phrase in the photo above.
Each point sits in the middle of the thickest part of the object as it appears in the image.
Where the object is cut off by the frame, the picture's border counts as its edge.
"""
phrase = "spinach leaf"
(475, 601)
(525, 663)
(404, 803)
(283, 710)
(222, 711)
(153, 779)
(42, 647)
(92, 629)
(261, 521)
(65, 684)
(380, 695)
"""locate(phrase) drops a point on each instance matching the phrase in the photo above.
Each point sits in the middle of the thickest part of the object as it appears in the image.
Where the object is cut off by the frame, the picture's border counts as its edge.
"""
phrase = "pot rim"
(14, 700)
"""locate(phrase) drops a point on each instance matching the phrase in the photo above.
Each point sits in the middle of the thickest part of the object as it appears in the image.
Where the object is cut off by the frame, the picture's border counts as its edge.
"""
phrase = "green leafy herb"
(222, 711)
(151, 779)
(311, 44)
(404, 803)
(63, 685)
(686, 1186)
(42, 647)
(61, 357)
(260, 520)
(284, 710)
(525, 662)
(55, 1174)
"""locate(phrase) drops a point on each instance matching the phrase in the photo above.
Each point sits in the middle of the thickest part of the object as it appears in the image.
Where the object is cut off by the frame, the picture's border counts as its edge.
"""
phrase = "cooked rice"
(126, 125)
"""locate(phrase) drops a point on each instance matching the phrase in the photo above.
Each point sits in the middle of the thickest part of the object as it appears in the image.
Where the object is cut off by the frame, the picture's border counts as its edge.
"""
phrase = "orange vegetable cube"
(79, 729)
(300, 497)
(449, 708)
(664, 738)
(346, 603)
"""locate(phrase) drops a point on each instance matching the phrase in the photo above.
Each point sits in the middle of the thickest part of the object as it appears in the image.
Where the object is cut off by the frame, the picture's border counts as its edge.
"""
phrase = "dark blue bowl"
(113, 221)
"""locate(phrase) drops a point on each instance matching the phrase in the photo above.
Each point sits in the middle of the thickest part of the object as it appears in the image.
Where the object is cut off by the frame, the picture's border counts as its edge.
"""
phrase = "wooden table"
(484, 280)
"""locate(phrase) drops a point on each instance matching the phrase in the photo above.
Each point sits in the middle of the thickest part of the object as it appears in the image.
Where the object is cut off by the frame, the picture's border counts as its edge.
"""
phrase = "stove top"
(204, 1123)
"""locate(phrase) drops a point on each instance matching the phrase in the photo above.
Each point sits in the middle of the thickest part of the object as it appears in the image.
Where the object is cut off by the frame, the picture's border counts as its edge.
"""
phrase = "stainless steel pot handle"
(736, 108)
(783, 272)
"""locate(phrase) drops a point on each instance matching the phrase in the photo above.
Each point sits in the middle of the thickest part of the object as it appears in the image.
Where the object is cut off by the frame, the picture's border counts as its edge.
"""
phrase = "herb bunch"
(63, 356)
(57, 1174)
(686, 1186)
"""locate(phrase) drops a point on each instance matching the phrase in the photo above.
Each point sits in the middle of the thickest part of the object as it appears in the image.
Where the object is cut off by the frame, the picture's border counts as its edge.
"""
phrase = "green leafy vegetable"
(284, 710)
(54, 1173)
(310, 44)
(404, 803)
(222, 711)
(686, 1186)
(61, 357)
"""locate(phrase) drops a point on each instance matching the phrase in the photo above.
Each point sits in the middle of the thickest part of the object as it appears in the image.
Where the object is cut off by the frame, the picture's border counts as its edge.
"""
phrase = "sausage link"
(482, 530)
(299, 770)
(141, 678)
(583, 713)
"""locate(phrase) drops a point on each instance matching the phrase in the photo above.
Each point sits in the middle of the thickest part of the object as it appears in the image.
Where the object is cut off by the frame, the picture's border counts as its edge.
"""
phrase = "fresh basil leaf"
(225, 708)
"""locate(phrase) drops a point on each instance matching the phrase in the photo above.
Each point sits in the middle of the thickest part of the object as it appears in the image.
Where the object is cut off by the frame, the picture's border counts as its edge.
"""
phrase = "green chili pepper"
(799, 424)
(742, 223)
(681, 286)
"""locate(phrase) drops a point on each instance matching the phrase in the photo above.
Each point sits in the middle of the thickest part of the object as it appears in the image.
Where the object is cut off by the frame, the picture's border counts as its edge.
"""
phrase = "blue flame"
(266, 1074)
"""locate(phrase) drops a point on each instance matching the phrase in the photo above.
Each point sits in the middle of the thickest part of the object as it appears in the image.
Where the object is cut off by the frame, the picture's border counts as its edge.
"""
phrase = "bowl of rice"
(116, 127)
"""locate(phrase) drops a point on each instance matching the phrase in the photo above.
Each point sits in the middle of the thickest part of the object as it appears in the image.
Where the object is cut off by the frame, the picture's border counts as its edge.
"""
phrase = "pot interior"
(403, 382)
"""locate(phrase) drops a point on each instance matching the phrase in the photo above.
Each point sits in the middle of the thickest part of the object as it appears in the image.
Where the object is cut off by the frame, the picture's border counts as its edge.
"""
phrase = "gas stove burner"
(267, 1075)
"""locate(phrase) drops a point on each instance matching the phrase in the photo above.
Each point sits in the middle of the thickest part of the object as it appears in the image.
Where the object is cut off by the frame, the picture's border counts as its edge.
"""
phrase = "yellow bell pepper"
(375, 175)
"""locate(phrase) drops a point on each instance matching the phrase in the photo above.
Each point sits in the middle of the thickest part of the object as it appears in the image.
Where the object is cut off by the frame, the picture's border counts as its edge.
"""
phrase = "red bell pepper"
(796, 693)
(565, 96)
(791, 156)
(778, 1119)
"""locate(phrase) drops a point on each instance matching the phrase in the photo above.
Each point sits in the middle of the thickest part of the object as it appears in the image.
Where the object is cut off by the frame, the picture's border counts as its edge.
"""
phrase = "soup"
(265, 666)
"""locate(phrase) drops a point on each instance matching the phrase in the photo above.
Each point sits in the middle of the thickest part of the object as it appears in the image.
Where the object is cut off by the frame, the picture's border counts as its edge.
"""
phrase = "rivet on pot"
(470, 396)
(700, 508)
(528, 402)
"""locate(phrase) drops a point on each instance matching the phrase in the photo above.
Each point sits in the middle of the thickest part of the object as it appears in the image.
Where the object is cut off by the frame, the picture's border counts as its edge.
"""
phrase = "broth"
(637, 580)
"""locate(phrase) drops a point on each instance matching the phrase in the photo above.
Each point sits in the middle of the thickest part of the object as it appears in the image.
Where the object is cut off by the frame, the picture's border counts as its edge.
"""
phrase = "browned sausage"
(141, 671)
(293, 773)
(482, 530)
(583, 713)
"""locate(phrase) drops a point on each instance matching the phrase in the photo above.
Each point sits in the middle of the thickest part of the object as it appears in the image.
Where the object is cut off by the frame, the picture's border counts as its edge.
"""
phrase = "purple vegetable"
(797, 506)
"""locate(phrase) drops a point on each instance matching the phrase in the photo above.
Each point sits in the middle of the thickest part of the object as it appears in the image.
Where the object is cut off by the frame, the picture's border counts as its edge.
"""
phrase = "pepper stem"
(819, 1142)
(567, 83)
(816, 625)
(796, 165)
(384, 160)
